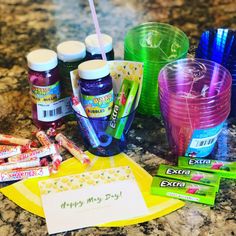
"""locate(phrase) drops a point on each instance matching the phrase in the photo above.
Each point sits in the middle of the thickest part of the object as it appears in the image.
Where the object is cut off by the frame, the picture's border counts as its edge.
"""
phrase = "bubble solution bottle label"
(98, 106)
(96, 89)
(44, 80)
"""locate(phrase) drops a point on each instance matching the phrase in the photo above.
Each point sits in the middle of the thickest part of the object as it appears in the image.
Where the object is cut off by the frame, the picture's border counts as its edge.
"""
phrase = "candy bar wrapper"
(222, 168)
(195, 176)
(18, 165)
(183, 190)
(24, 174)
(8, 151)
(40, 152)
(122, 107)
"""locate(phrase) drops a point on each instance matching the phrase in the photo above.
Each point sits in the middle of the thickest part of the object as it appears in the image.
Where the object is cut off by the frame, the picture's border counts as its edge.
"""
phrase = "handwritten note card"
(91, 198)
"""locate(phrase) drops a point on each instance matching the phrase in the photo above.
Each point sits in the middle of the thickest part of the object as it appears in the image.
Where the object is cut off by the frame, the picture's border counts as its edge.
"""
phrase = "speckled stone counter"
(25, 25)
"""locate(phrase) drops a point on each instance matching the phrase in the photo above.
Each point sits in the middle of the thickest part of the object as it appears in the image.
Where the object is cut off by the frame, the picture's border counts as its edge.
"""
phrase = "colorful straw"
(97, 28)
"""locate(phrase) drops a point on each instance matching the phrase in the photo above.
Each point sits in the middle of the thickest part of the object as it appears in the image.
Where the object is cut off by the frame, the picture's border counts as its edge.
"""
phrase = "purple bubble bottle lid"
(45, 91)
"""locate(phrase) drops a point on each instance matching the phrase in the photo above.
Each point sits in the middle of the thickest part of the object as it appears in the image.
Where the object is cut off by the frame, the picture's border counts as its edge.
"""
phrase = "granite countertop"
(28, 24)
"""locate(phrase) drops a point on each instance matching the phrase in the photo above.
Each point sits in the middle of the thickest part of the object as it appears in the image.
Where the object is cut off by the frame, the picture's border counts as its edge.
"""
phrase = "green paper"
(183, 190)
(222, 168)
(194, 176)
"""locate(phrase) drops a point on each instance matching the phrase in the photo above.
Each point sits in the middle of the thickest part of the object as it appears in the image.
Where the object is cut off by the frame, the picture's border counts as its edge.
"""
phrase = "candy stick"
(23, 174)
(97, 28)
(40, 152)
(33, 162)
(84, 123)
(12, 140)
(7, 151)
(72, 148)
(44, 140)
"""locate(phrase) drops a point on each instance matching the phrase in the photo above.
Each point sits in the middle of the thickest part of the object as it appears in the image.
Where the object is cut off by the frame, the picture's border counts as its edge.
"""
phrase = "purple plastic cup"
(195, 102)
(186, 105)
(191, 117)
(201, 112)
(195, 122)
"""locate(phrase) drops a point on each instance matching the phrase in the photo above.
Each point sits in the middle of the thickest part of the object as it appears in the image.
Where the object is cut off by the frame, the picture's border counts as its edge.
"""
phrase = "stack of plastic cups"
(155, 44)
(219, 45)
(195, 101)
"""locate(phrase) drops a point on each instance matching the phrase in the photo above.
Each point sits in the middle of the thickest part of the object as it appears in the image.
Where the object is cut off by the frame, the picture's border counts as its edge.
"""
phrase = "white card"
(91, 198)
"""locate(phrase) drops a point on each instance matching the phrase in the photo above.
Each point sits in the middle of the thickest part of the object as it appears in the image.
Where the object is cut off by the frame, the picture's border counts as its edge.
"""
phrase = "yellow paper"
(26, 193)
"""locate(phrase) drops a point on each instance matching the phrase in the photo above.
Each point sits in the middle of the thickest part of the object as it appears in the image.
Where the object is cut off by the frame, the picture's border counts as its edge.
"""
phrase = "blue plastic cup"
(107, 145)
(219, 45)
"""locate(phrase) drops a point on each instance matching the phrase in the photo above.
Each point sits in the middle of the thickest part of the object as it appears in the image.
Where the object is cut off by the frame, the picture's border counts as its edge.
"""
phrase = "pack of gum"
(183, 190)
(195, 176)
(122, 108)
(222, 168)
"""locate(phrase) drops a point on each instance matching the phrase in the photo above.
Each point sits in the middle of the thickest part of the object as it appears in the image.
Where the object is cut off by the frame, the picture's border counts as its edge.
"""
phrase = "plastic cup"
(192, 115)
(196, 122)
(198, 116)
(179, 134)
(109, 145)
(194, 103)
(192, 119)
(155, 44)
(219, 45)
(185, 107)
(233, 102)
(179, 139)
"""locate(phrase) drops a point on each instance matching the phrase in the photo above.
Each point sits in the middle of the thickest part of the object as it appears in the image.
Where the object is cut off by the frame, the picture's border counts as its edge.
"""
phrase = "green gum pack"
(122, 107)
(222, 168)
(183, 190)
(194, 176)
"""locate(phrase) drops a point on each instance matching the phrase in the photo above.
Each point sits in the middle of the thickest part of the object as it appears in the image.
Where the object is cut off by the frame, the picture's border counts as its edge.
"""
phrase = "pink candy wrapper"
(44, 140)
(24, 174)
(40, 152)
(20, 165)
(8, 151)
(11, 140)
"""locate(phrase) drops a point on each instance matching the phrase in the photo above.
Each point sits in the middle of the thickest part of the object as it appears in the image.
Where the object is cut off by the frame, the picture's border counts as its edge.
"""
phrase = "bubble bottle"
(70, 55)
(45, 91)
(96, 91)
(93, 48)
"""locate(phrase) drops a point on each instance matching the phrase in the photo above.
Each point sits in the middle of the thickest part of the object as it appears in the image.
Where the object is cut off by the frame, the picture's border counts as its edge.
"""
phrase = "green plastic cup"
(155, 44)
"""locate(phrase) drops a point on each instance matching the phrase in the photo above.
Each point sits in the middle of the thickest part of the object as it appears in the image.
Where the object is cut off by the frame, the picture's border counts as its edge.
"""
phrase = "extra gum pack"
(195, 176)
(183, 190)
(122, 107)
(222, 168)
